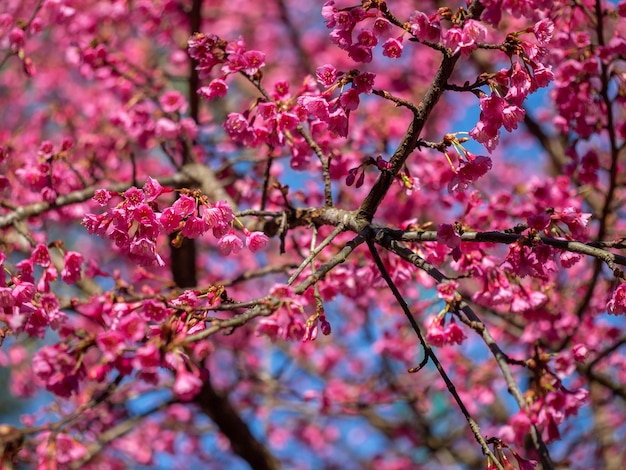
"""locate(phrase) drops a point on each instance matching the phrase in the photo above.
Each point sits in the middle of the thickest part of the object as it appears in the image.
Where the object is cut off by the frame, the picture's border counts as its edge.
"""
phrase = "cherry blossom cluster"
(551, 402)
(14, 35)
(289, 322)
(132, 339)
(374, 27)
(209, 51)
(510, 87)
(272, 121)
(26, 297)
(331, 114)
(134, 224)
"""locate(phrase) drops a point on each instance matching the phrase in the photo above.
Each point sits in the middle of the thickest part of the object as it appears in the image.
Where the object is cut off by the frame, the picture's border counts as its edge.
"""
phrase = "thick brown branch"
(219, 408)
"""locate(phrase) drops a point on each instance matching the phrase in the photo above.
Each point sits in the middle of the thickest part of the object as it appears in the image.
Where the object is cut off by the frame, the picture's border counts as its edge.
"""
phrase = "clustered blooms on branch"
(134, 226)
(514, 261)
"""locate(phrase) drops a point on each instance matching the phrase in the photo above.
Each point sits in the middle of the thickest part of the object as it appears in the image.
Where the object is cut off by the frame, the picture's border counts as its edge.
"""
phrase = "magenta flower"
(267, 110)
(152, 189)
(544, 30)
(134, 197)
(40, 255)
(287, 121)
(617, 304)
(256, 241)
(382, 27)
(17, 38)
(349, 99)
(110, 344)
(237, 127)
(186, 385)
(326, 75)
(511, 116)
(147, 356)
(102, 196)
(72, 269)
(469, 172)
(6, 299)
(144, 250)
(184, 206)
(172, 101)
(253, 61)
(166, 128)
(392, 48)
(486, 134)
(448, 235)
(439, 336)
(216, 89)
(230, 243)
(153, 310)
(447, 291)
(453, 38)
(367, 38)
(316, 106)
(338, 123)
(473, 32)
(364, 82)
(423, 28)
(23, 291)
(360, 53)
(194, 227)
(66, 449)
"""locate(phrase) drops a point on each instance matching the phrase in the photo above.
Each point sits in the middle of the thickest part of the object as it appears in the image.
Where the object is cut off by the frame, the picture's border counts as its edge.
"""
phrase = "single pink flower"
(173, 101)
(256, 241)
(392, 48)
(230, 243)
(186, 385)
(72, 268)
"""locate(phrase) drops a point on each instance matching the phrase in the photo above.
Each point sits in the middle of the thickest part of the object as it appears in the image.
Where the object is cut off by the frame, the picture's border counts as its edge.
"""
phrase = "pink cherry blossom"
(392, 48)
(187, 385)
(216, 89)
(72, 267)
(256, 241)
(66, 449)
(172, 101)
(617, 304)
(230, 243)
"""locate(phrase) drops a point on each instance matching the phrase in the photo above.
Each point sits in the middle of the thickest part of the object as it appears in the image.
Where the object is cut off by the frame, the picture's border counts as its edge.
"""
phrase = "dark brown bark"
(217, 407)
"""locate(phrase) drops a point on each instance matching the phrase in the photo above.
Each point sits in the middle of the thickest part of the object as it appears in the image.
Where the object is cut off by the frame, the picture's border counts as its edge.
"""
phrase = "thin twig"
(115, 432)
(477, 324)
(430, 354)
(315, 252)
(324, 160)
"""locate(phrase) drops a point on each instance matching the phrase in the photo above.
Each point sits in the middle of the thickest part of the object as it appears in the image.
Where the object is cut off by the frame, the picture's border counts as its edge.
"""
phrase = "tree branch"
(480, 328)
(219, 408)
(430, 354)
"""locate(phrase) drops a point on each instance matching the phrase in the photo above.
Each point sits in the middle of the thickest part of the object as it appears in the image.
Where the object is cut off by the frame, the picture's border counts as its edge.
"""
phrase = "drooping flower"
(216, 89)
(230, 243)
(72, 268)
(617, 304)
(392, 48)
(187, 385)
(255, 241)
